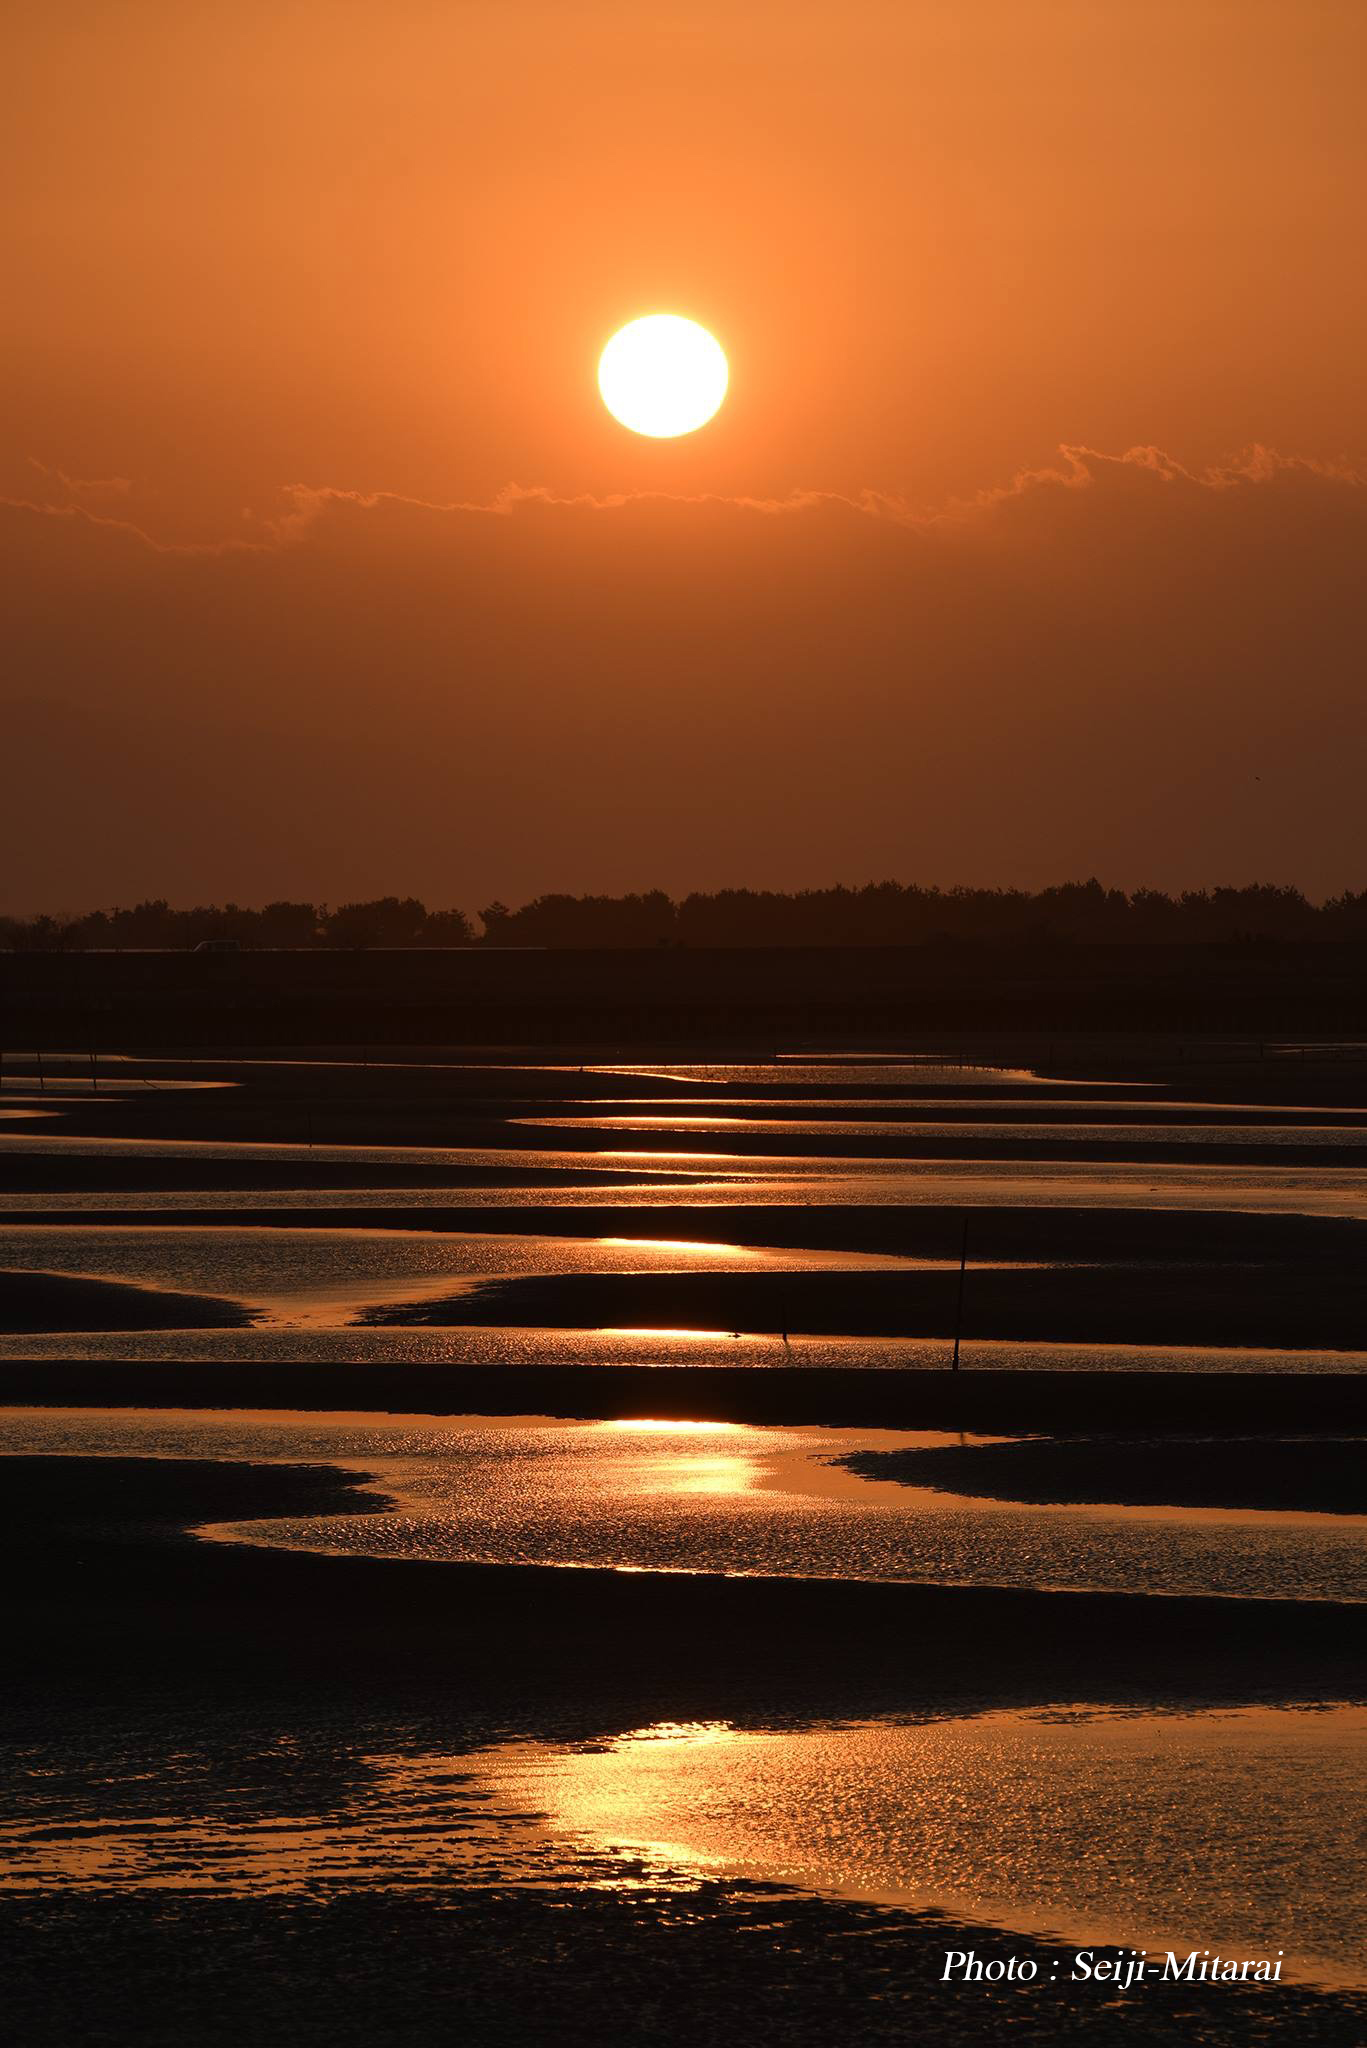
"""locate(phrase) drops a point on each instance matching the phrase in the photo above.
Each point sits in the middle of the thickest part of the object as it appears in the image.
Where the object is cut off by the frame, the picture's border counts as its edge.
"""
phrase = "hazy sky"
(328, 574)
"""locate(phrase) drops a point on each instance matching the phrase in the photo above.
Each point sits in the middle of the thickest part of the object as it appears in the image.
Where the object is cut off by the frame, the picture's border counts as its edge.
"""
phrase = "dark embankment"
(487, 995)
(1321, 1476)
(985, 1402)
(1270, 1306)
(53, 1301)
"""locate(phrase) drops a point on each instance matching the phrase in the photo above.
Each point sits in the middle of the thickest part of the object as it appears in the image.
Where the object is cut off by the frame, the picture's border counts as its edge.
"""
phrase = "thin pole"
(959, 1311)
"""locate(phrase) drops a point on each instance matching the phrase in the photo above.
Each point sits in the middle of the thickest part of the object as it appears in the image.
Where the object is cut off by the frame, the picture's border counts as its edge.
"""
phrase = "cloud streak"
(1114, 663)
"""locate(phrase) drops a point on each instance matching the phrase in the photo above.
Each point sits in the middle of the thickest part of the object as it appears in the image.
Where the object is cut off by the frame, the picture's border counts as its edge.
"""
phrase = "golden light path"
(662, 376)
(944, 1816)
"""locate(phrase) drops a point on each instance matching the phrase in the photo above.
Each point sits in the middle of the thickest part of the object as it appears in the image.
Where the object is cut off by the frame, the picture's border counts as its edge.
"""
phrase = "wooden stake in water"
(959, 1311)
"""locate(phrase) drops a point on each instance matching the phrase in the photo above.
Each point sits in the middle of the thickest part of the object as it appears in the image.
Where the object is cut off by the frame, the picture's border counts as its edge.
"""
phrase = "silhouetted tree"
(387, 921)
(288, 925)
(883, 913)
(447, 928)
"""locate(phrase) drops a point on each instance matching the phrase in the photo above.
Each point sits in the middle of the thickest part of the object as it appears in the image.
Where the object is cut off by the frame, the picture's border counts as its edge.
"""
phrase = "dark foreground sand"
(725, 1966)
(241, 1682)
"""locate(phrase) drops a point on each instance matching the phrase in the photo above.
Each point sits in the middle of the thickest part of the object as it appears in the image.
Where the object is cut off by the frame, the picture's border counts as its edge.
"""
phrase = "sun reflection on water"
(1058, 1822)
(660, 1330)
(697, 1247)
(665, 1422)
(692, 1471)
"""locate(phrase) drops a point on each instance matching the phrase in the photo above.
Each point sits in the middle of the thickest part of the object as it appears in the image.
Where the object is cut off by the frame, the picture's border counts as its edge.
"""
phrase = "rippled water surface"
(323, 1343)
(1092, 1827)
(978, 1132)
(327, 1275)
(717, 1497)
(1085, 1826)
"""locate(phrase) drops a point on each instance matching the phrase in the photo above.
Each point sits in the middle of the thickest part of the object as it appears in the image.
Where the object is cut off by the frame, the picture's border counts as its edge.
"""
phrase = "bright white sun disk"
(662, 375)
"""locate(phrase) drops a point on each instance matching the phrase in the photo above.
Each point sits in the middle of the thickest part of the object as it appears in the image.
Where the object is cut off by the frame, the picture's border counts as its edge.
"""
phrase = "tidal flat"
(561, 1583)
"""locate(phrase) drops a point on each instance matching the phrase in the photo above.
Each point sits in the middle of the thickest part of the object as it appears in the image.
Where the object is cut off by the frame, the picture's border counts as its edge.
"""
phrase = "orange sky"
(375, 250)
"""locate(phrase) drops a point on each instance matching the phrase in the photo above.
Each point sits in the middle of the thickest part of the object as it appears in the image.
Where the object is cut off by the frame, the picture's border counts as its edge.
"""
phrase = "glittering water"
(313, 1275)
(1227, 1831)
(1090, 1827)
(324, 1343)
(1100, 1136)
(717, 1497)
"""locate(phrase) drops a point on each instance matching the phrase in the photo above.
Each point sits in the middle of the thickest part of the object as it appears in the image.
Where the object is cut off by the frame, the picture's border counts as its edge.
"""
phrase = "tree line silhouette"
(877, 914)
(154, 925)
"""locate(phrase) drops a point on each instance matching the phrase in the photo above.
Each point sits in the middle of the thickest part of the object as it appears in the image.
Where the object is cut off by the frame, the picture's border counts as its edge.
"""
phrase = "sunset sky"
(1027, 542)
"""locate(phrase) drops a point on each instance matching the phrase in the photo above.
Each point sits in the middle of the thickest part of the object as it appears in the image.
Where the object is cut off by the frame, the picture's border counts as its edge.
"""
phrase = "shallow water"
(978, 1131)
(319, 1276)
(474, 1344)
(796, 1070)
(716, 1497)
(1033, 1184)
(715, 1178)
(1095, 1828)
(789, 1180)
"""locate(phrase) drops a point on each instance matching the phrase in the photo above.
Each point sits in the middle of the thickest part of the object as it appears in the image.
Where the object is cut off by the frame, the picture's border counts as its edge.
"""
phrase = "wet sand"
(1280, 1307)
(927, 1229)
(647, 1964)
(982, 1400)
(56, 1301)
(1315, 1474)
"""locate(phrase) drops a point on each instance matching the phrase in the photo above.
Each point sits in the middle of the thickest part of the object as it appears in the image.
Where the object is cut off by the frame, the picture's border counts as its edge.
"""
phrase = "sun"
(662, 375)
